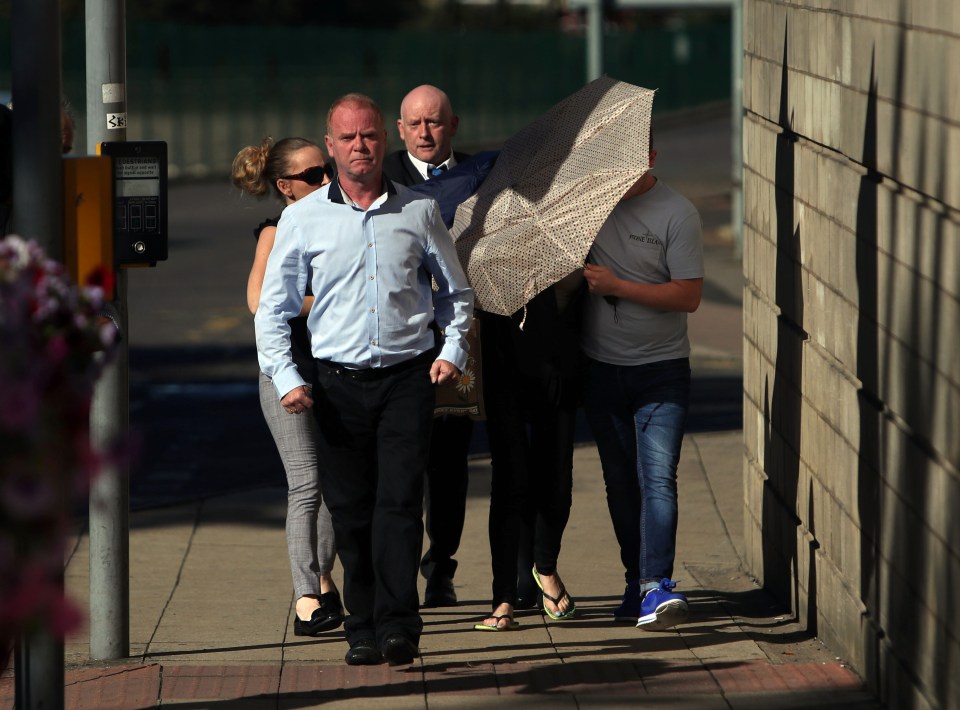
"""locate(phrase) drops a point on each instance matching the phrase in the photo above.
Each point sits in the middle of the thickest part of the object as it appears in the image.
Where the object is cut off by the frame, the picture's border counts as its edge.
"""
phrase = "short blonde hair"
(357, 100)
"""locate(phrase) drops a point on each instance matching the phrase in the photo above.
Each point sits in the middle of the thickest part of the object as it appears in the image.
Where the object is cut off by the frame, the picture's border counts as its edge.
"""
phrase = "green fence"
(207, 91)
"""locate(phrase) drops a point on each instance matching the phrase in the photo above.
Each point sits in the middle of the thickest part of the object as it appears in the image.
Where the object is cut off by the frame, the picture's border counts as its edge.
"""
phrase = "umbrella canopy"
(553, 186)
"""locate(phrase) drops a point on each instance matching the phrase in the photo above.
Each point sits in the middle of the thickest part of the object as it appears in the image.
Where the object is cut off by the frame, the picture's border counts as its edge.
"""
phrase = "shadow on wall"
(903, 496)
(783, 402)
(905, 552)
(867, 370)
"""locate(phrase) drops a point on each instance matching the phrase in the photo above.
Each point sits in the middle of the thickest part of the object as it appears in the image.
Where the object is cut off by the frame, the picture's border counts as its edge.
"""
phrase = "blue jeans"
(637, 414)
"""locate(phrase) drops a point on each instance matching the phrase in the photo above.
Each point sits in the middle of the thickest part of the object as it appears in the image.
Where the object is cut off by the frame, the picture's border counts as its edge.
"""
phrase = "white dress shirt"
(423, 167)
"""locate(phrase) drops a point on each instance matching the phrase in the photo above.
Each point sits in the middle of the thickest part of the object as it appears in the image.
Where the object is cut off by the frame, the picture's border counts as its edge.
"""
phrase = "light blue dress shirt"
(371, 273)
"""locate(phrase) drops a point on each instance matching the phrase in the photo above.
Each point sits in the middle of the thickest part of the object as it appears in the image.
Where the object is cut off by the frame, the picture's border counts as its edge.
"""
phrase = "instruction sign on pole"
(140, 201)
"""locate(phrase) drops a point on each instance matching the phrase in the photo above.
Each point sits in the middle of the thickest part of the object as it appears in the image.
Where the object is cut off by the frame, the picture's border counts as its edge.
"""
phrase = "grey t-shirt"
(651, 238)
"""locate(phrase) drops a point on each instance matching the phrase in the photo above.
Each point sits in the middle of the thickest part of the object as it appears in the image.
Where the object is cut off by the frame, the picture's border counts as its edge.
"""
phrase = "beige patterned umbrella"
(554, 184)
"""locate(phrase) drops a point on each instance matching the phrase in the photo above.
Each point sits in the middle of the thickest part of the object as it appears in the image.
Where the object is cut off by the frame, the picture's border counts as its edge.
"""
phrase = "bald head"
(427, 124)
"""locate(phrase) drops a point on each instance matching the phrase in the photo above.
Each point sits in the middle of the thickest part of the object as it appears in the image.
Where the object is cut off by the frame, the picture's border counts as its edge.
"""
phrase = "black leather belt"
(371, 374)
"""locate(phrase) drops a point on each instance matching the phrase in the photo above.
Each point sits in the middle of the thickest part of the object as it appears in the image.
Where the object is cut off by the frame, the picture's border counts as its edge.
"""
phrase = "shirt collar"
(335, 194)
(422, 167)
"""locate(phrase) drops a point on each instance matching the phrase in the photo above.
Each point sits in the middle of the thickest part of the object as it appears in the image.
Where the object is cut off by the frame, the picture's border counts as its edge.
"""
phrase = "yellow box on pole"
(88, 219)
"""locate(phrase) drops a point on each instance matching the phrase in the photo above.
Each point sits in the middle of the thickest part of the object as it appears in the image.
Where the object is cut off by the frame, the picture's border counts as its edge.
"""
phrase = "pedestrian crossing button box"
(140, 201)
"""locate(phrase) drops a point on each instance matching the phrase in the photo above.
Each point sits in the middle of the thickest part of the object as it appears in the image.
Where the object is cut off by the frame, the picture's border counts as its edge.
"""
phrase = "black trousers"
(446, 492)
(530, 425)
(373, 445)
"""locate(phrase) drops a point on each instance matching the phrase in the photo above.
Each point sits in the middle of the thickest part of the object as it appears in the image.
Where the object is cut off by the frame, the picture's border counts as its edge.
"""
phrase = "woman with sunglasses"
(292, 168)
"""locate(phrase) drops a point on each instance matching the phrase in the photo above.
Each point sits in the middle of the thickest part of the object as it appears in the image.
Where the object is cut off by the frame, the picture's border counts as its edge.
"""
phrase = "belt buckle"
(355, 374)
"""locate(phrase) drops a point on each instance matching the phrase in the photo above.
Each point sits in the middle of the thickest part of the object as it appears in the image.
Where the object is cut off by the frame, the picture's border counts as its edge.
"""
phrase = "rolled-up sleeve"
(284, 285)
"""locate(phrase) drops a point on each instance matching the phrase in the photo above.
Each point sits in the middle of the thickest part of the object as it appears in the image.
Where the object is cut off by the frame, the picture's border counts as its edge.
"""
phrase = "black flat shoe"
(328, 617)
(399, 650)
(363, 653)
(439, 591)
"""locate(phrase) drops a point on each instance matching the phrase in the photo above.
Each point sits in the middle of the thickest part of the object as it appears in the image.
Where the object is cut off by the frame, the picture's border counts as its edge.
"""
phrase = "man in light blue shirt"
(370, 251)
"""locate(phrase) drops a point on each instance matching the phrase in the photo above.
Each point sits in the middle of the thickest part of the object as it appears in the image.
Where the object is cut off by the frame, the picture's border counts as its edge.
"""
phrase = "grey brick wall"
(852, 330)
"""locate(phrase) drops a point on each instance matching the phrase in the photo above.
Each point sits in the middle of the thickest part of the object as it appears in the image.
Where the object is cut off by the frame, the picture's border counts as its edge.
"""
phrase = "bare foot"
(503, 610)
(306, 605)
(552, 587)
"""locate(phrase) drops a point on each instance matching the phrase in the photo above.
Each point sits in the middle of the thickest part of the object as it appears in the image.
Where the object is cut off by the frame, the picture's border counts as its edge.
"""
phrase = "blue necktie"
(434, 170)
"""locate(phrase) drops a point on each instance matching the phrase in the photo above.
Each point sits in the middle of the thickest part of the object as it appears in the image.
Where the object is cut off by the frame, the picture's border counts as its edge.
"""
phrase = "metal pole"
(39, 672)
(37, 214)
(37, 169)
(110, 411)
(594, 39)
(736, 123)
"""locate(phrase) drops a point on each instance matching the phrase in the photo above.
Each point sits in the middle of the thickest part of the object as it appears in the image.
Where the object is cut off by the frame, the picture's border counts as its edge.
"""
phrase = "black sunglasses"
(311, 176)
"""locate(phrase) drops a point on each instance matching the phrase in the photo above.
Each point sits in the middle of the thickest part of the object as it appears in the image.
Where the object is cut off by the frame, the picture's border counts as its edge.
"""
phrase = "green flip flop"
(510, 625)
(556, 600)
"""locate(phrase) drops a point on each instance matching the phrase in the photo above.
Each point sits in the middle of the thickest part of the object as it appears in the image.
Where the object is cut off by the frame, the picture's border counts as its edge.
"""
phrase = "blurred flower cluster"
(52, 346)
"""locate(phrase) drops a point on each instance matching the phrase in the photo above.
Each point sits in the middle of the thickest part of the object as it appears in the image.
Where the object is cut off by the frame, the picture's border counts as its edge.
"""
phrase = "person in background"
(644, 274)
(371, 250)
(427, 125)
(291, 169)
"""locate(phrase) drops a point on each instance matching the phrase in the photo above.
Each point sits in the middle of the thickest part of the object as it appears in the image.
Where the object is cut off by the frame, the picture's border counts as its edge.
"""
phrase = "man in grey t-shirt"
(644, 273)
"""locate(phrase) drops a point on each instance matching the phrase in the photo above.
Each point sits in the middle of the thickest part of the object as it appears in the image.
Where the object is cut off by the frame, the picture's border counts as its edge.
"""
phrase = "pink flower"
(101, 277)
(50, 336)
(108, 333)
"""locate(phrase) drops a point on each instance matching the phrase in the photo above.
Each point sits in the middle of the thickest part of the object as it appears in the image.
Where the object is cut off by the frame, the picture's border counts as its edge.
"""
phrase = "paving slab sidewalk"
(212, 618)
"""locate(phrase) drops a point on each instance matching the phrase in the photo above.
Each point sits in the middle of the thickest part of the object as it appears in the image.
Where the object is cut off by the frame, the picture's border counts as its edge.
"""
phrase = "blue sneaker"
(629, 608)
(662, 608)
